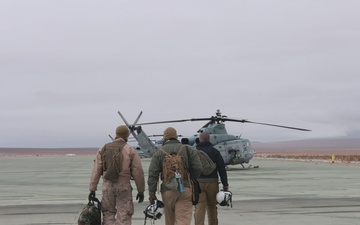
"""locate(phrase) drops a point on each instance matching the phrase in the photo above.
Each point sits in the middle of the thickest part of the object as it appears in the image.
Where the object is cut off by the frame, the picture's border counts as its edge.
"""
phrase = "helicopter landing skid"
(251, 166)
(245, 168)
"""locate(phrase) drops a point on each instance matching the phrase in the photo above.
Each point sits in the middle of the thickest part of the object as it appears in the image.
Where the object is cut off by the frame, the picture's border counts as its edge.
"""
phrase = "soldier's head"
(170, 133)
(204, 136)
(122, 132)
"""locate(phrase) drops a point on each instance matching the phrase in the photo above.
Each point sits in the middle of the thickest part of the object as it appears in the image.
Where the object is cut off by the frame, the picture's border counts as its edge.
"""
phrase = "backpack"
(112, 161)
(173, 163)
(208, 166)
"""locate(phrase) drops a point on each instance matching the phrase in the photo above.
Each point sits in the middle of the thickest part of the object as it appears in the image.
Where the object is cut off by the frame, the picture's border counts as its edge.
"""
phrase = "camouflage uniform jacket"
(131, 168)
(156, 166)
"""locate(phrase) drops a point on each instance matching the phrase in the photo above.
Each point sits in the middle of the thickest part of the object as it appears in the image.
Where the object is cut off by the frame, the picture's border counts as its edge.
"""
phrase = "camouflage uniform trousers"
(117, 204)
(177, 207)
(207, 203)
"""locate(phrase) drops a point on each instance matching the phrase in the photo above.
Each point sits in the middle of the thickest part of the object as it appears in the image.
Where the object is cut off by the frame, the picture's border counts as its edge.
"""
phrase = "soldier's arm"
(96, 172)
(137, 171)
(221, 167)
(154, 172)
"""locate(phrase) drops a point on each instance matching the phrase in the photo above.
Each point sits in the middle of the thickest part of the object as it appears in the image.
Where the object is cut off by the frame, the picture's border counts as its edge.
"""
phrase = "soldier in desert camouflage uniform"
(117, 162)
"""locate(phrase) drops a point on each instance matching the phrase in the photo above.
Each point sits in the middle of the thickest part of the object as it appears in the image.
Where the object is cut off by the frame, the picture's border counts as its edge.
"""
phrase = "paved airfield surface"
(53, 190)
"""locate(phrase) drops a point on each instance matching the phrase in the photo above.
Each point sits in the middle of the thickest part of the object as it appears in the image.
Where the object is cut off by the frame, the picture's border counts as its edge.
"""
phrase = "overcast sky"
(68, 67)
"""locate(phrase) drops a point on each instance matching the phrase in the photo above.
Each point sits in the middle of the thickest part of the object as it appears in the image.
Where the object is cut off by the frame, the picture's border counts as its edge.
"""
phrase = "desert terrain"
(344, 149)
(13, 152)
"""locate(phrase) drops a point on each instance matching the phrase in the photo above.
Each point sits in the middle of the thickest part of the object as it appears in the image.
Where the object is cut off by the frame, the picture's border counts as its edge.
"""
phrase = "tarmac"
(54, 189)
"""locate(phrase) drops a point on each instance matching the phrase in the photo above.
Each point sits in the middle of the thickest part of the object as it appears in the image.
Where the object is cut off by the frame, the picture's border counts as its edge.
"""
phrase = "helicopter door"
(222, 149)
(229, 151)
(235, 150)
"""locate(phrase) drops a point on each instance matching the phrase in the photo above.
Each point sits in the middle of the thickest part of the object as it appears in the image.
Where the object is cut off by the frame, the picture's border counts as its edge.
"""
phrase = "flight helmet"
(223, 198)
(154, 211)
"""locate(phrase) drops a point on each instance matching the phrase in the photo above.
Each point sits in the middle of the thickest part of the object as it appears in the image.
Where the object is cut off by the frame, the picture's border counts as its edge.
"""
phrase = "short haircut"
(204, 136)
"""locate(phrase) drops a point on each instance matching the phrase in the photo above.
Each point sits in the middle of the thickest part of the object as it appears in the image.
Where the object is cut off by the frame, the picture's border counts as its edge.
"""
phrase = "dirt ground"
(344, 150)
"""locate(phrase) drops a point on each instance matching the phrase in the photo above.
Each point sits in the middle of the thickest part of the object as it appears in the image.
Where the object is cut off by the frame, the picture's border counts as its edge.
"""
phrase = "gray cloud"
(68, 67)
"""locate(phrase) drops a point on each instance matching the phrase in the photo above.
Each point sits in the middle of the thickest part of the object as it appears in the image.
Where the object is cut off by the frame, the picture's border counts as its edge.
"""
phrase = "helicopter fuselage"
(234, 150)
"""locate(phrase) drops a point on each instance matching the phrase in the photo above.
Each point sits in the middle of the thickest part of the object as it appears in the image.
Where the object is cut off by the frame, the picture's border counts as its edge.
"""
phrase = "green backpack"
(208, 166)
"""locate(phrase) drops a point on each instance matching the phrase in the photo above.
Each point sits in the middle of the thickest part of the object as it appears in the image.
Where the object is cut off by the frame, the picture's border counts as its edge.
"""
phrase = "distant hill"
(315, 146)
(46, 151)
(309, 146)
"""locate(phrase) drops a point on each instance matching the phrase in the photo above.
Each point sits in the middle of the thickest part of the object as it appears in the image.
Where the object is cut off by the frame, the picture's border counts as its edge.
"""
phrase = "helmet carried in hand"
(154, 211)
(224, 198)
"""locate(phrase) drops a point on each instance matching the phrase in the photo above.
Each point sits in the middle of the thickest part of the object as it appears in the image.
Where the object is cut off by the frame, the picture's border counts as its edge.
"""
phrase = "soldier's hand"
(226, 188)
(91, 195)
(152, 198)
(140, 197)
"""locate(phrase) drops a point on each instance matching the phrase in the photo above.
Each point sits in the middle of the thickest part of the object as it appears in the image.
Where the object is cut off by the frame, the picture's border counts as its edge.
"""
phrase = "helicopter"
(234, 149)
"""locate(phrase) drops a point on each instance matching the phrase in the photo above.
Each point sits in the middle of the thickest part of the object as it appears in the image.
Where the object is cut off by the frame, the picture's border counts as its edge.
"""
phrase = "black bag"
(196, 190)
(195, 186)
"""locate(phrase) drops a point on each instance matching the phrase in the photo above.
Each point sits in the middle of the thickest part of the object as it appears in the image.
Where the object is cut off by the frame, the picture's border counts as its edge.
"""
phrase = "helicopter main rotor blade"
(175, 121)
(137, 119)
(267, 124)
(217, 119)
(274, 125)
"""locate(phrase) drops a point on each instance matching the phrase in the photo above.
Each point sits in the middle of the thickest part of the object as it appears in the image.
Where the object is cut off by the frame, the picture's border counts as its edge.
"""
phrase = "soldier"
(209, 184)
(177, 201)
(117, 162)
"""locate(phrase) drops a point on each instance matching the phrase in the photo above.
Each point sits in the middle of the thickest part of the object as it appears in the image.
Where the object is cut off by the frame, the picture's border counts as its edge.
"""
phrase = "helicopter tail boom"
(141, 137)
